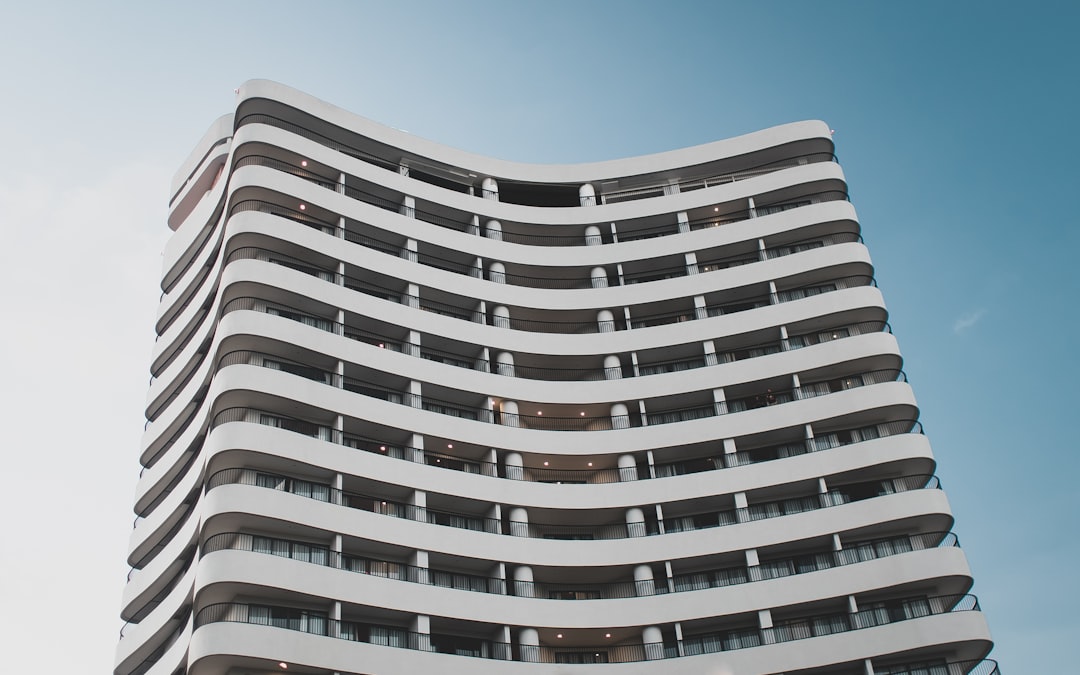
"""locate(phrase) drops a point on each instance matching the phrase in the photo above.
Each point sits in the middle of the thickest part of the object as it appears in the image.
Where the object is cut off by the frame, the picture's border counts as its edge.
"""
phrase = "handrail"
(466, 225)
(541, 530)
(584, 422)
(942, 667)
(316, 623)
(598, 326)
(610, 197)
(824, 440)
(320, 554)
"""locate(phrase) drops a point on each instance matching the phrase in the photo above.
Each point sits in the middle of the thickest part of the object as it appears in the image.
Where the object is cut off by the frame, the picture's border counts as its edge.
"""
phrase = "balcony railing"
(601, 531)
(319, 554)
(607, 197)
(316, 623)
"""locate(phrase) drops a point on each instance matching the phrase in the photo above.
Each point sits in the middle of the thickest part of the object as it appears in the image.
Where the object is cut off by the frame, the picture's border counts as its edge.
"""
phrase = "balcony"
(614, 529)
(316, 623)
(319, 554)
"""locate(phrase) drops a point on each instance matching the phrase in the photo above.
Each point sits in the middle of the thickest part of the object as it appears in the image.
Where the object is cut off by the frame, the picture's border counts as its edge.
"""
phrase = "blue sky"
(952, 122)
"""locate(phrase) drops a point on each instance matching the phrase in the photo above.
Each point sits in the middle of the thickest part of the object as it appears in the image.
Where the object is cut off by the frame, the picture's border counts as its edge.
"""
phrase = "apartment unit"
(416, 410)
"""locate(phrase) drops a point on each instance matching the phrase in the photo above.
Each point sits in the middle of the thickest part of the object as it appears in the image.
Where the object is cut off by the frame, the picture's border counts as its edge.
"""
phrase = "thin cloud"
(966, 321)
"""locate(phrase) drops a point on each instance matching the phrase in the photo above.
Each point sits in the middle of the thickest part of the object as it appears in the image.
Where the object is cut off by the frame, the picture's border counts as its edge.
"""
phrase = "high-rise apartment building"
(416, 410)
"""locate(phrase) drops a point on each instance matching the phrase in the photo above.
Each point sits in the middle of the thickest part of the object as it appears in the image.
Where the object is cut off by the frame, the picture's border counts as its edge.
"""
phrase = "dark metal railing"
(316, 623)
(603, 531)
(320, 554)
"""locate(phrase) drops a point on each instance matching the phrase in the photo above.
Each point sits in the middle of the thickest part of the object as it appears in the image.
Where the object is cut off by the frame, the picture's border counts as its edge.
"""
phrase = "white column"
(654, 643)
(741, 505)
(593, 236)
(587, 195)
(612, 367)
(635, 522)
(523, 582)
(605, 321)
(490, 189)
(500, 316)
(684, 221)
(509, 414)
(415, 452)
(598, 277)
(519, 522)
(493, 230)
(497, 272)
(411, 251)
(620, 416)
(514, 466)
(765, 623)
(408, 207)
(627, 468)
(643, 580)
(529, 643)
(504, 364)
(421, 624)
(691, 263)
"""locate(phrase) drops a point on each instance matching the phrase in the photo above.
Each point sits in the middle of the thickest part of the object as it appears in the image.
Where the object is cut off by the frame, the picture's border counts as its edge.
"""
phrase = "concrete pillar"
(643, 580)
(753, 565)
(411, 250)
(684, 221)
(711, 359)
(514, 466)
(408, 207)
(419, 561)
(412, 343)
(635, 522)
(416, 394)
(529, 645)
(519, 522)
(504, 364)
(489, 188)
(741, 505)
(497, 273)
(593, 236)
(654, 643)
(752, 208)
(508, 411)
(605, 321)
(412, 296)
(766, 624)
(523, 582)
(719, 402)
(421, 625)
(474, 226)
(785, 345)
(627, 468)
(691, 263)
(418, 499)
(587, 195)
(612, 367)
(500, 316)
(620, 416)
(598, 277)
(493, 230)
(773, 297)
(415, 451)
(477, 269)
(701, 310)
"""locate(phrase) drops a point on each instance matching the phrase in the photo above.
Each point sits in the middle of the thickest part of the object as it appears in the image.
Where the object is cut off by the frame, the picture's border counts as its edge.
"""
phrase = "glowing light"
(303, 162)
(558, 635)
(283, 665)
(303, 207)
(382, 448)
(607, 635)
(583, 413)
(449, 445)
(539, 412)
(545, 463)
(590, 463)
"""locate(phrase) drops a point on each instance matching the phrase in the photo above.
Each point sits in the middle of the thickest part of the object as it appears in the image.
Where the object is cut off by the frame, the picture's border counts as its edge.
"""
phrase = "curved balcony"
(747, 168)
(764, 397)
(319, 554)
(545, 474)
(538, 530)
(317, 623)
(940, 667)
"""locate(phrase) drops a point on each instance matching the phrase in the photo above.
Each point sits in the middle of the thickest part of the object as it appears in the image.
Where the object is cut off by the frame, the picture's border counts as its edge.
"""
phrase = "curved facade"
(417, 410)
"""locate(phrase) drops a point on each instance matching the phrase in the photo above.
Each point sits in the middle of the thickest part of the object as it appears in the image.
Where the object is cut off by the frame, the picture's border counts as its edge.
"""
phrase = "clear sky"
(955, 123)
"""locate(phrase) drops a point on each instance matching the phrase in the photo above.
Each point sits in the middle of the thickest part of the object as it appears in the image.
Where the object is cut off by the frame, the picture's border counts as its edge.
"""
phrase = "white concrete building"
(416, 410)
